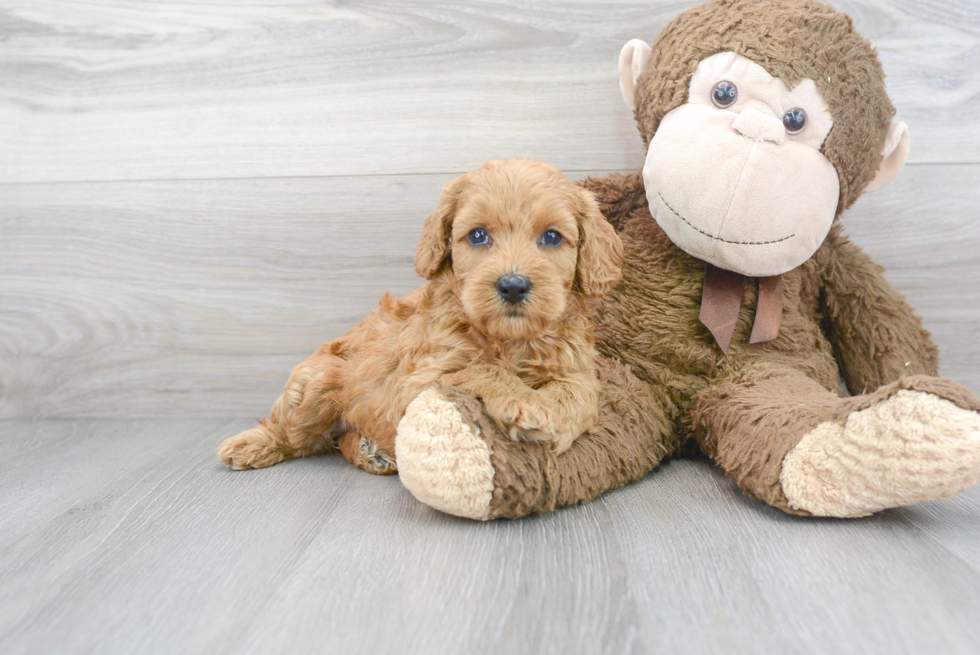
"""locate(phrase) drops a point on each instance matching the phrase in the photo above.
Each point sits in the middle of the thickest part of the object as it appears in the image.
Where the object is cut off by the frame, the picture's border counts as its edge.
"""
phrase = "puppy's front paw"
(525, 417)
(252, 449)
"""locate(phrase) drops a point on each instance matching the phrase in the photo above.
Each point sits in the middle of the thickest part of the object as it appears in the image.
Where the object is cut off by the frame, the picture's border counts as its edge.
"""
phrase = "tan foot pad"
(911, 448)
(442, 460)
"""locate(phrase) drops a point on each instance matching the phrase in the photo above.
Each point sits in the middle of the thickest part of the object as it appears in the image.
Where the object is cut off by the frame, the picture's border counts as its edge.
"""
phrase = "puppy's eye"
(552, 238)
(478, 237)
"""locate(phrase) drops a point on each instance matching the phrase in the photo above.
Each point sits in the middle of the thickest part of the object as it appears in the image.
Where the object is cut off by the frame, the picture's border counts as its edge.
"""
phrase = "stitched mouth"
(716, 238)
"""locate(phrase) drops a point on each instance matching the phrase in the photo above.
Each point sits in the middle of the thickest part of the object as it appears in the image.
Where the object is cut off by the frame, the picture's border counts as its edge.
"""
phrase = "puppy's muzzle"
(513, 288)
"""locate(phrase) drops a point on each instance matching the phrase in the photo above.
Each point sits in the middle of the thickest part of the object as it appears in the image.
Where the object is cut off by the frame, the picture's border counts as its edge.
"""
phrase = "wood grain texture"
(128, 537)
(196, 298)
(115, 89)
(175, 295)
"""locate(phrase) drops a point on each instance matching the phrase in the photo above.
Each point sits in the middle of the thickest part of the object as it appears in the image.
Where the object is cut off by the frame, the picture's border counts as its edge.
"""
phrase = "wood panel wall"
(194, 196)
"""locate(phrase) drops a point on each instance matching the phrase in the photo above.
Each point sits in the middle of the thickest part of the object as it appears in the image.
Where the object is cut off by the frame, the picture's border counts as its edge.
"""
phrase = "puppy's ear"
(600, 251)
(433, 248)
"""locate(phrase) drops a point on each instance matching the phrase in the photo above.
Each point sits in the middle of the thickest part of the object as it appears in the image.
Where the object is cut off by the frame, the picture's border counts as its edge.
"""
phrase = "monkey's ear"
(633, 60)
(600, 250)
(895, 152)
(433, 247)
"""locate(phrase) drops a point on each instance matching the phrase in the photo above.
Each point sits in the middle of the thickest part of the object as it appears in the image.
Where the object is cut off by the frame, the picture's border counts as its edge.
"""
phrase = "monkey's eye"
(478, 237)
(552, 238)
(724, 94)
(794, 120)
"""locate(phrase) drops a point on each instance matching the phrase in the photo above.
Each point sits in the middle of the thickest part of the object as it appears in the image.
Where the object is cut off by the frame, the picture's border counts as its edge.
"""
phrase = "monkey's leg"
(300, 421)
(787, 441)
(453, 457)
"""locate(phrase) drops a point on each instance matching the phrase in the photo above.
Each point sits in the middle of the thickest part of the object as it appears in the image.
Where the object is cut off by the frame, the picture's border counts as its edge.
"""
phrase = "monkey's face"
(785, 123)
(736, 177)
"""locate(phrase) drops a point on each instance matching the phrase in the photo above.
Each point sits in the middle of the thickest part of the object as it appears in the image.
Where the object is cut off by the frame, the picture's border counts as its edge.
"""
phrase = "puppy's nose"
(513, 288)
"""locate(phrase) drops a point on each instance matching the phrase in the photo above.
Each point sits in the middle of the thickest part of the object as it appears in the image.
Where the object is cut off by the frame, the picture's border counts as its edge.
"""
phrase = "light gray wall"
(193, 197)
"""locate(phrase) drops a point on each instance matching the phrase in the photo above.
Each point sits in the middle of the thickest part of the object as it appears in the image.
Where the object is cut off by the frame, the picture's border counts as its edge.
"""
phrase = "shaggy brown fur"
(666, 383)
(531, 362)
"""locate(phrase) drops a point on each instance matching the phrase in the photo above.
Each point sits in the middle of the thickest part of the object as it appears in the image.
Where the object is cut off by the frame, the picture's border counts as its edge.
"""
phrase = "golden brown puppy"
(512, 253)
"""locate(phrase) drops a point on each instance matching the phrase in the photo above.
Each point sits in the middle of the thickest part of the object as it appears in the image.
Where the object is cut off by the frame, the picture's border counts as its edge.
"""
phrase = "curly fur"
(531, 363)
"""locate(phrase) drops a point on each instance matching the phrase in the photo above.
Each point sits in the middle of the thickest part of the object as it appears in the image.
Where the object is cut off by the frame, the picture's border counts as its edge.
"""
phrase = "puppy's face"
(514, 249)
(515, 235)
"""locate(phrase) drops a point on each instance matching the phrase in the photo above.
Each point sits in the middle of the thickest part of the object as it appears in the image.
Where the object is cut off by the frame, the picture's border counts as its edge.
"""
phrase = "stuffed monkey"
(742, 302)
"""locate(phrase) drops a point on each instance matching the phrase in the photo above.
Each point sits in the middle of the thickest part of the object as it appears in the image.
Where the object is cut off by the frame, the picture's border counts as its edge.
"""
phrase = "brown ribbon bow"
(722, 299)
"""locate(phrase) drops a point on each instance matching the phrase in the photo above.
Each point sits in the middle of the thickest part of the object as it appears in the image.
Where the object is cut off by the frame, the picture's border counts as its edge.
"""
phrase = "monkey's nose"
(753, 124)
(513, 288)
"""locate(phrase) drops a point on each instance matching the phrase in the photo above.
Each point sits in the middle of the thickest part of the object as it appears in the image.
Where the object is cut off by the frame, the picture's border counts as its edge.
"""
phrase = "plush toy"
(742, 301)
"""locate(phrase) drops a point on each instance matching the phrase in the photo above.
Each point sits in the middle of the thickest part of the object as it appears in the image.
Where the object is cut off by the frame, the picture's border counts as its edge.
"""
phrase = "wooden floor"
(195, 195)
(122, 536)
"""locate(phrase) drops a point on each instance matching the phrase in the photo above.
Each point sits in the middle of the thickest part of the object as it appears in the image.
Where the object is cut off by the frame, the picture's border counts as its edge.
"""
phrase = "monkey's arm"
(876, 335)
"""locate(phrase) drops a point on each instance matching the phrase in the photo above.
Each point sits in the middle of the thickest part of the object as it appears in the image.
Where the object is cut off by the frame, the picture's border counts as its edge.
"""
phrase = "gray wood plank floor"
(128, 537)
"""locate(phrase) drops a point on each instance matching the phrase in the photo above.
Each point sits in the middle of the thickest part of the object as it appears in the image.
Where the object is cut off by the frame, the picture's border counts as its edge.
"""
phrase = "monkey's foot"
(252, 449)
(914, 446)
(443, 458)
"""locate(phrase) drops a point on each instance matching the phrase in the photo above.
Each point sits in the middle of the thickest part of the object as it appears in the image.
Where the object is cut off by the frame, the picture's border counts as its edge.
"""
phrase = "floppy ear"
(433, 248)
(600, 251)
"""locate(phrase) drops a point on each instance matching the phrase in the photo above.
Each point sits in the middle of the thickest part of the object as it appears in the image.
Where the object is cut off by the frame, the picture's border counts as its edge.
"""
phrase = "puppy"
(512, 254)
